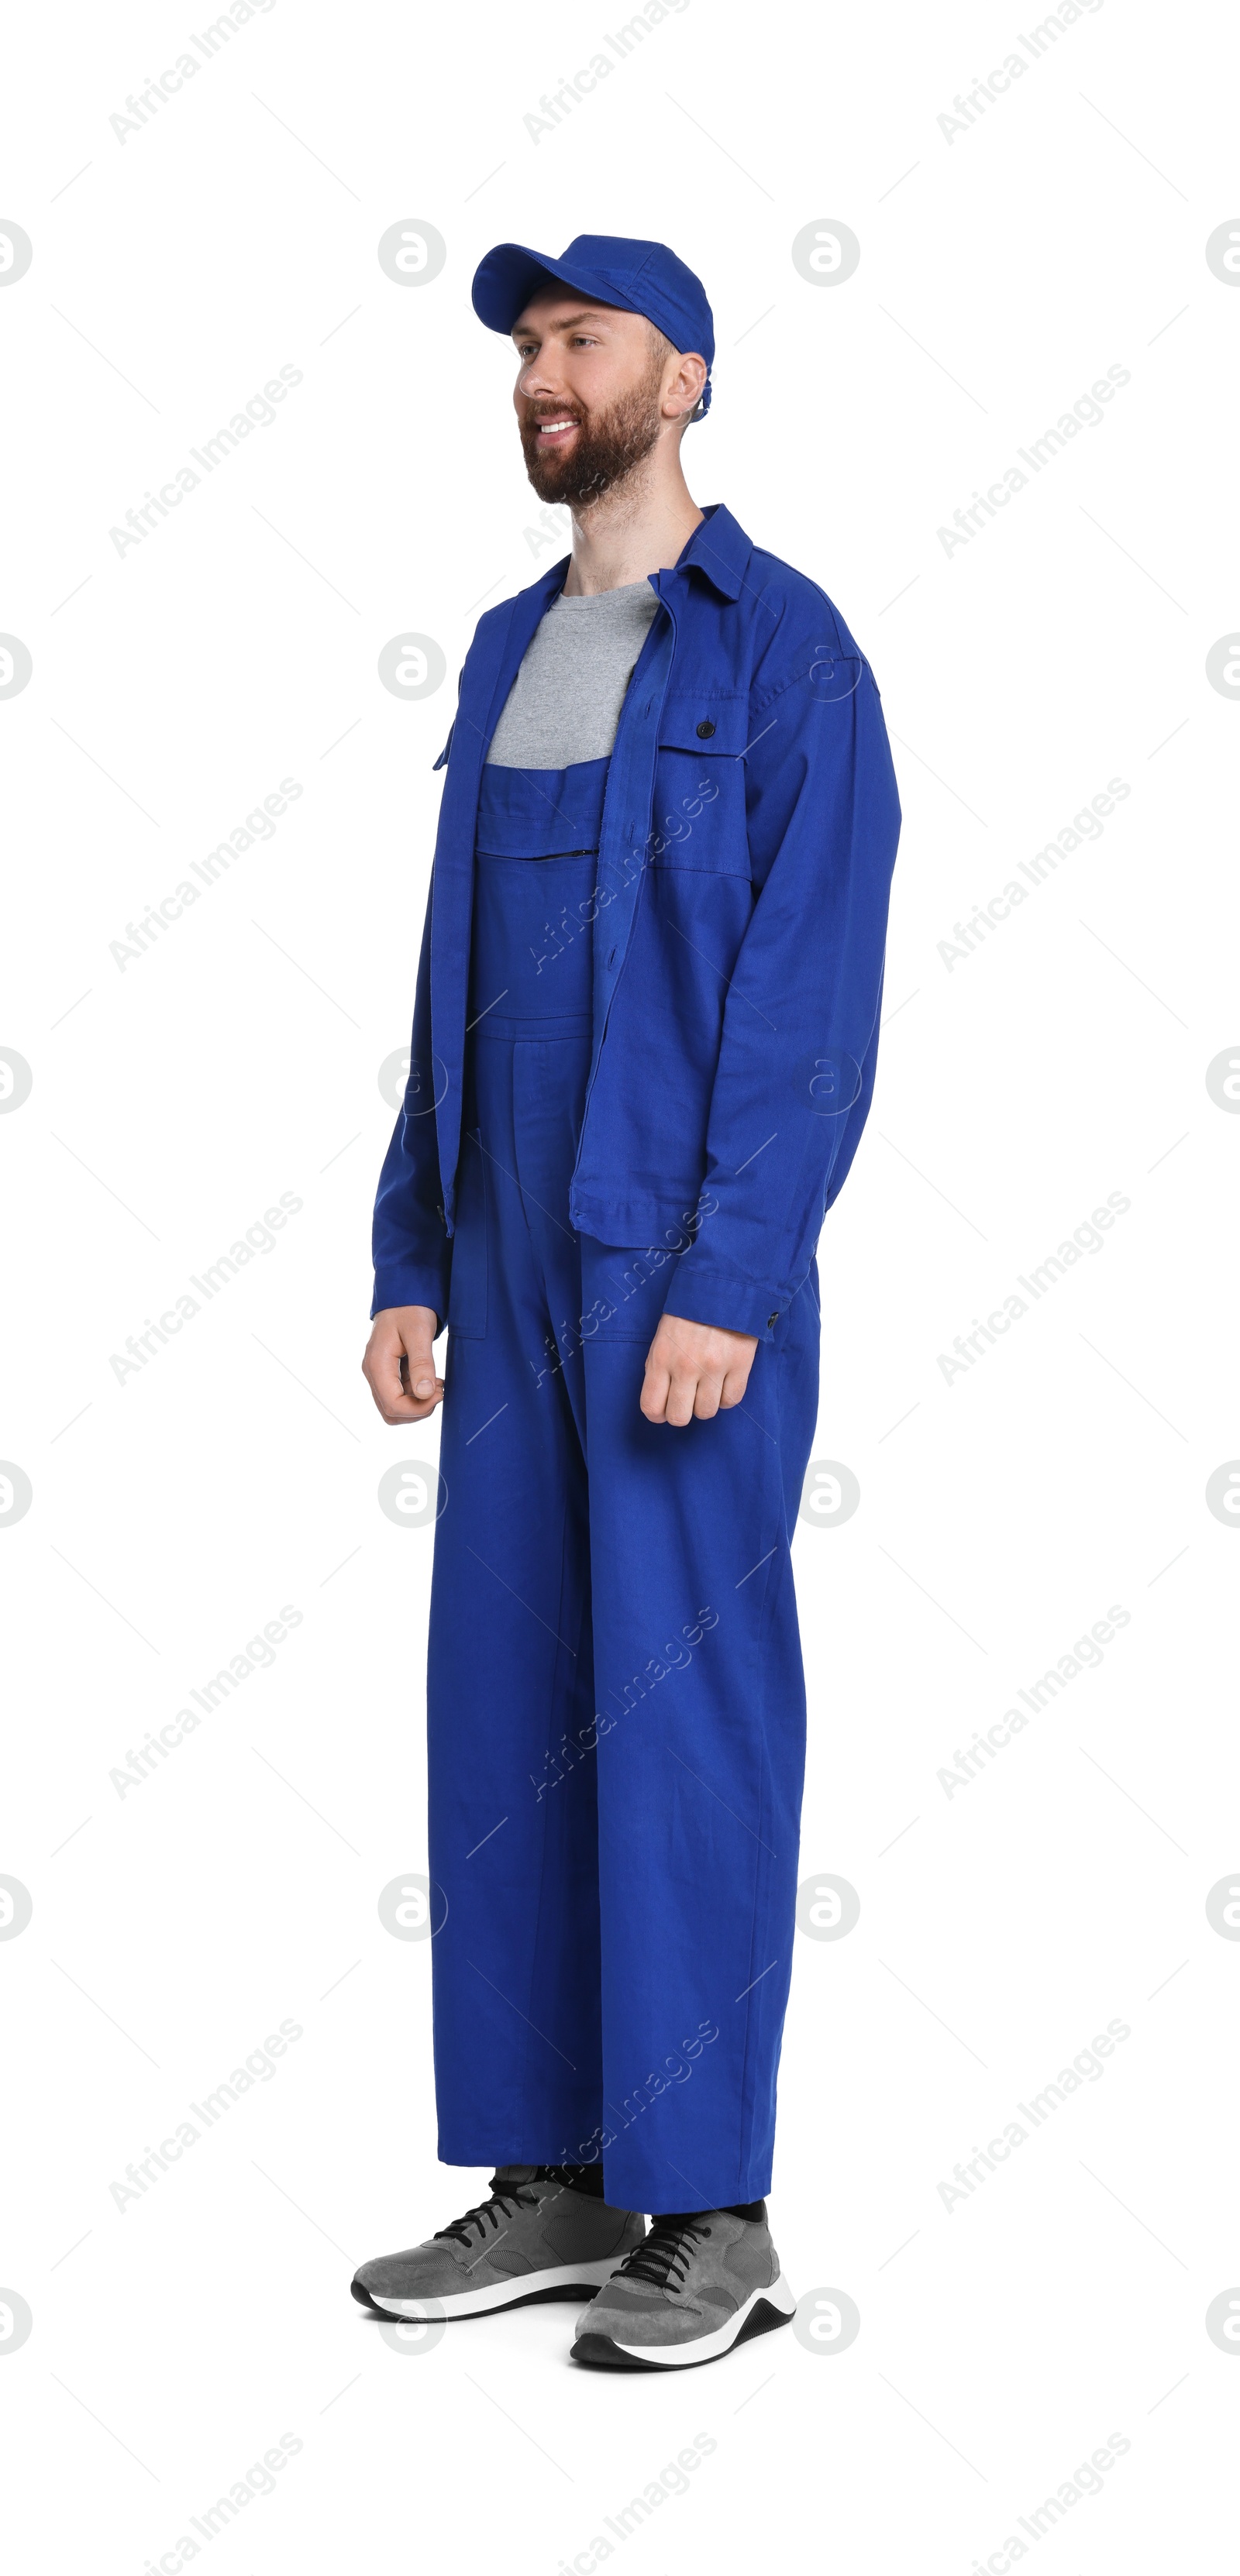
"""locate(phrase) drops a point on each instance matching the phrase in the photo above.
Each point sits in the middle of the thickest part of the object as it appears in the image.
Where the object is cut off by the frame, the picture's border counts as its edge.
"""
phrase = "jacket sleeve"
(412, 1252)
(800, 1032)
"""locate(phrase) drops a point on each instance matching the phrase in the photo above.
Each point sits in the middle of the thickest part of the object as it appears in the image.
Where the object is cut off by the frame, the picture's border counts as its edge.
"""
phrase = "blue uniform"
(747, 841)
(615, 1699)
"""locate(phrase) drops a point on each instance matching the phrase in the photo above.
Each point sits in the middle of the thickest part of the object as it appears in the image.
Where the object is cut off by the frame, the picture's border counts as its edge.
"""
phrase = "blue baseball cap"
(639, 276)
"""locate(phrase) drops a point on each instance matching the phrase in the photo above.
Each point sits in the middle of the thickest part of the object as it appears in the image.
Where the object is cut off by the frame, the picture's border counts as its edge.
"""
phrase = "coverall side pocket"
(467, 1288)
(622, 1292)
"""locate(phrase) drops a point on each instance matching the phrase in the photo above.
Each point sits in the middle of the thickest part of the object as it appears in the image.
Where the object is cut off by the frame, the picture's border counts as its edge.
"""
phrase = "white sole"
(709, 2347)
(570, 2280)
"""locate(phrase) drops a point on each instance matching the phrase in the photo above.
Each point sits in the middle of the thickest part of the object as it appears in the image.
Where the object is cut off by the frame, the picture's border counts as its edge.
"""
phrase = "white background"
(1001, 1514)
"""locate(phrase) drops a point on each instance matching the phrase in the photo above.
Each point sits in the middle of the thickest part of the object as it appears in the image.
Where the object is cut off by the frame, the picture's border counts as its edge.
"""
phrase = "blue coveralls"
(643, 1053)
(615, 1698)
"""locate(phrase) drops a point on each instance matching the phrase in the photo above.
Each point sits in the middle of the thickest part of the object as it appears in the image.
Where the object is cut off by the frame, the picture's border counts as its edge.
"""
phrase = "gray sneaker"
(533, 2239)
(699, 2284)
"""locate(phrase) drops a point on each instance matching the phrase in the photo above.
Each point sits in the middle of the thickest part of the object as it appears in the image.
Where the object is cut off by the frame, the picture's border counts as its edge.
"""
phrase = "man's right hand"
(398, 1366)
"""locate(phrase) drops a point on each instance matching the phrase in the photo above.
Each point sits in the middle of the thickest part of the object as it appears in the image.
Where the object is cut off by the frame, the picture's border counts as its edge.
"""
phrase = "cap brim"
(510, 274)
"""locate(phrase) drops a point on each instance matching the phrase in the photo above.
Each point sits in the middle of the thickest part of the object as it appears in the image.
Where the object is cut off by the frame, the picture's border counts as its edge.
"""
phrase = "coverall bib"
(616, 1711)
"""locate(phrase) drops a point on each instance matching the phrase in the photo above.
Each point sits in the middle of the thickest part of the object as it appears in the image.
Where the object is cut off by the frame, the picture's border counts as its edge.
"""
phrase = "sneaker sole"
(763, 2310)
(528, 2290)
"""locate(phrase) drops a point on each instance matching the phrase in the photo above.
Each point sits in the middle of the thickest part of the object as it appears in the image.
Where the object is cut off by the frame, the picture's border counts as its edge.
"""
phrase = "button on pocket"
(705, 730)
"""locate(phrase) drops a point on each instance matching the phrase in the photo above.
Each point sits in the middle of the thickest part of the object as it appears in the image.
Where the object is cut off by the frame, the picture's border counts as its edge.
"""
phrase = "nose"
(540, 379)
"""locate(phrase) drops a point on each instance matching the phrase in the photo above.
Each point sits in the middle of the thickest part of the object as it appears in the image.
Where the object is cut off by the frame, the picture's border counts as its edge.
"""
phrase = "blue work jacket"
(738, 924)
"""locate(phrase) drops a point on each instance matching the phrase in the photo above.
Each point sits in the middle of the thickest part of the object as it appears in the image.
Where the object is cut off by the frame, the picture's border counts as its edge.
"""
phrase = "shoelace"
(661, 2255)
(502, 2199)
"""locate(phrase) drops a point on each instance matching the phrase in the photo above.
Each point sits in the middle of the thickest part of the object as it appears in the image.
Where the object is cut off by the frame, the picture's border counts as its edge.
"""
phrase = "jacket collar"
(719, 548)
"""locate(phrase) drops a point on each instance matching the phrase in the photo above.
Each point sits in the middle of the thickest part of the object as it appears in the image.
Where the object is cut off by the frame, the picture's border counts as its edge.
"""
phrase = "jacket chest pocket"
(698, 818)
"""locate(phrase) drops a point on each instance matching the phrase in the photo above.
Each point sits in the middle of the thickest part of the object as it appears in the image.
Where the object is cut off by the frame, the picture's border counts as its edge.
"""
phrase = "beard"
(607, 447)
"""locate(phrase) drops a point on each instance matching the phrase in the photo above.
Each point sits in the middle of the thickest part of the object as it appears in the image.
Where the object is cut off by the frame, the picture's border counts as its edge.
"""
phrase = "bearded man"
(643, 1052)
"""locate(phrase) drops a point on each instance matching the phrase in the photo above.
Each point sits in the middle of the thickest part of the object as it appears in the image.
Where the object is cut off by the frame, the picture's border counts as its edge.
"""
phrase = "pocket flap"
(705, 725)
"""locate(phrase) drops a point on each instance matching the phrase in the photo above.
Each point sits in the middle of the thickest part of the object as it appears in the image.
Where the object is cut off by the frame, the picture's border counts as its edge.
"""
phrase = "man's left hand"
(694, 1371)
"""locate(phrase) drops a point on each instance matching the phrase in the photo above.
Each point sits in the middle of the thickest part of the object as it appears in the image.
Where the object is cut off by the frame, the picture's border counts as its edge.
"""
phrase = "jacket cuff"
(413, 1284)
(703, 1291)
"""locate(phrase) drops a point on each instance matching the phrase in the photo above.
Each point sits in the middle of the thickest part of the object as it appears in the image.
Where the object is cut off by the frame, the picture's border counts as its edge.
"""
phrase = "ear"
(683, 390)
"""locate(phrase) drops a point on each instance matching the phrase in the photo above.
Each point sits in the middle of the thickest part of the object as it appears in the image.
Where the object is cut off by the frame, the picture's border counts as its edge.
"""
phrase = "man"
(643, 1052)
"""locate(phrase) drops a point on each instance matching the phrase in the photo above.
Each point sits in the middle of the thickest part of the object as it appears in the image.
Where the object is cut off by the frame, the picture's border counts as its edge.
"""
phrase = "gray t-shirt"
(564, 704)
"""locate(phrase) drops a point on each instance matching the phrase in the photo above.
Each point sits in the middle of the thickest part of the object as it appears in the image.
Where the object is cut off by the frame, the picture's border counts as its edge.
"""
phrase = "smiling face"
(596, 390)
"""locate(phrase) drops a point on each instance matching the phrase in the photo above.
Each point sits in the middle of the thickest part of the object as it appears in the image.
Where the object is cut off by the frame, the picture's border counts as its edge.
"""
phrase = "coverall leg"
(616, 1708)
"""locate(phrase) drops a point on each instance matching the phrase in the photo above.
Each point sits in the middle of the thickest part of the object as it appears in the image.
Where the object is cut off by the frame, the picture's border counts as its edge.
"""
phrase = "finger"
(680, 1401)
(394, 1408)
(418, 1374)
(408, 1408)
(734, 1386)
(381, 1369)
(654, 1393)
(384, 1393)
(706, 1401)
